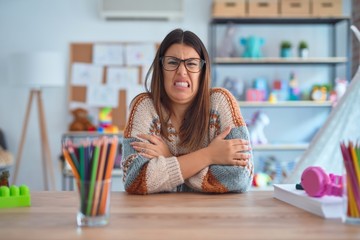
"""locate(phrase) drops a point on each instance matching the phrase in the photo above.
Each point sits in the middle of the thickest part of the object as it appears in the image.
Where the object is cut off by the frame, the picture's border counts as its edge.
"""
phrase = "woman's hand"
(155, 146)
(229, 151)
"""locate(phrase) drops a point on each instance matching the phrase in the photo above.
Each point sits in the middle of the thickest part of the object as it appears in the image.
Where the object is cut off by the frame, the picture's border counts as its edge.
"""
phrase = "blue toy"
(261, 84)
(252, 46)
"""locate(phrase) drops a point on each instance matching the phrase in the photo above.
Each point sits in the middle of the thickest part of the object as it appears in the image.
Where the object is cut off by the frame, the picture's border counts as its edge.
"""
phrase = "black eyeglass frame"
(202, 63)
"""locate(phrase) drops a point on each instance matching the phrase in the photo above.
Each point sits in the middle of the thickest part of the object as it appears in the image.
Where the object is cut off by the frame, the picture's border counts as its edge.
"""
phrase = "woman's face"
(181, 85)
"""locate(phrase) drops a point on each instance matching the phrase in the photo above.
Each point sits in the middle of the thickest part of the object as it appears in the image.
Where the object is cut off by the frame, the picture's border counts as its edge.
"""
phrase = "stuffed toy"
(4, 178)
(81, 121)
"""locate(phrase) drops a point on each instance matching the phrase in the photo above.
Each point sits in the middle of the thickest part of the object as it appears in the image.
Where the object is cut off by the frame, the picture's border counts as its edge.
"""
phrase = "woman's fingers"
(240, 162)
(147, 155)
(141, 149)
(151, 138)
(241, 156)
(145, 152)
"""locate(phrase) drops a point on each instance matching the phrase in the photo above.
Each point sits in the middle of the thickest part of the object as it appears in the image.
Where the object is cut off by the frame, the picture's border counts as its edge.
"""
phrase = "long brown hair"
(194, 127)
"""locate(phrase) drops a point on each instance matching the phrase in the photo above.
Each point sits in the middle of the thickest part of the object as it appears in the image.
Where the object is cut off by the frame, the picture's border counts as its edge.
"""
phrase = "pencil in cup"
(351, 157)
(92, 164)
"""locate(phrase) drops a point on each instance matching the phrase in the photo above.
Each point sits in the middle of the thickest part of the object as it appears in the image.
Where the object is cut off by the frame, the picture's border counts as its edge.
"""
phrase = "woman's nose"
(182, 69)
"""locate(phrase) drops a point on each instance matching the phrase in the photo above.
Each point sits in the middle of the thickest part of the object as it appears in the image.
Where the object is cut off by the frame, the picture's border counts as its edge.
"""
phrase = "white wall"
(43, 25)
(51, 25)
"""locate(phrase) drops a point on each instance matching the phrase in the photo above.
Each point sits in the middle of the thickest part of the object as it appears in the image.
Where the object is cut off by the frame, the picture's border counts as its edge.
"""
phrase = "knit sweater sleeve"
(143, 175)
(220, 178)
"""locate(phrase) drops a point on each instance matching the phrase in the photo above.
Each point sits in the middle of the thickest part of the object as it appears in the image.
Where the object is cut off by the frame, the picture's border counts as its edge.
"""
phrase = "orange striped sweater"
(145, 176)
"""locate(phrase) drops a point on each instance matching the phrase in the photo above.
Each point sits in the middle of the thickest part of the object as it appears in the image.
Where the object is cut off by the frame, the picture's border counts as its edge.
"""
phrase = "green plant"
(285, 44)
(303, 45)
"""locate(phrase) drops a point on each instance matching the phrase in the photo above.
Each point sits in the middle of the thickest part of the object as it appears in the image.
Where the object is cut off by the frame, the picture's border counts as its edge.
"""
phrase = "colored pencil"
(82, 176)
(92, 164)
(71, 163)
(100, 173)
(95, 161)
(107, 177)
(352, 167)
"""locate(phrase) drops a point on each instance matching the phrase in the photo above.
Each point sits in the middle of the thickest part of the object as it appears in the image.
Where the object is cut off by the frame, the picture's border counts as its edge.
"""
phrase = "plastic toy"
(105, 117)
(317, 183)
(255, 95)
(252, 46)
(260, 83)
(105, 121)
(256, 128)
(294, 91)
(339, 90)
(340, 87)
(319, 93)
(261, 180)
(14, 196)
(235, 86)
(227, 47)
(281, 89)
(272, 97)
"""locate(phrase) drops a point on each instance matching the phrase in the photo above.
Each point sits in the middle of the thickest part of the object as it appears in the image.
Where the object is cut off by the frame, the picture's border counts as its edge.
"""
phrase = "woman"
(181, 135)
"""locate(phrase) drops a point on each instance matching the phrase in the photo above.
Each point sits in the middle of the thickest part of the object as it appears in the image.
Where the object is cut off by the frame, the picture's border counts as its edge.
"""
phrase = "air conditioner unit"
(141, 9)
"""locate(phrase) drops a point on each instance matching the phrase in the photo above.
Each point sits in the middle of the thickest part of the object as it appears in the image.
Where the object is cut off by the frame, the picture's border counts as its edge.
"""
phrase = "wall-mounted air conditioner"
(141, 9)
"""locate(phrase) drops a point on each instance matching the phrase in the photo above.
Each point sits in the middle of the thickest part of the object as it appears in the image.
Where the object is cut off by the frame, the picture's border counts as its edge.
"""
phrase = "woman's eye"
(192, 64)
(172, 62)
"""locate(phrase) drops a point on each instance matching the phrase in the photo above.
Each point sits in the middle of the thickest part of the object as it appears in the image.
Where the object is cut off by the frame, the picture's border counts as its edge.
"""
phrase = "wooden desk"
(254, 215)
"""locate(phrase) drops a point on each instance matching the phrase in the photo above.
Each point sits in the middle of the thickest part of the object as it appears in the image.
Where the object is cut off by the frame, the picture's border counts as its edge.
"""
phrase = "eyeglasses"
(193, 65)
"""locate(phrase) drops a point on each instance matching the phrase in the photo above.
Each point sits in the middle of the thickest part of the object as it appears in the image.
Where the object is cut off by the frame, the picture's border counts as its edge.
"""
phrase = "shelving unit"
(335, 59)
(277, 147)
(293, 104)
(275, 60)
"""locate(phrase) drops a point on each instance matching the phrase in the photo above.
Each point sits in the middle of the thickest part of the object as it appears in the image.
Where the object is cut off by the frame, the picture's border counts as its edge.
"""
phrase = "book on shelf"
(326, 206)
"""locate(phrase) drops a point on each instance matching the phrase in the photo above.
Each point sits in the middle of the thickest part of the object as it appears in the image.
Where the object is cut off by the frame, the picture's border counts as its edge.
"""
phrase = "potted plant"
(285, 49)
(303, 49)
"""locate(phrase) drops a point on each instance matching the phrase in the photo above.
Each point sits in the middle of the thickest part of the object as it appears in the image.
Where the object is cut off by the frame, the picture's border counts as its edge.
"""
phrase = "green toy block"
(14, 196)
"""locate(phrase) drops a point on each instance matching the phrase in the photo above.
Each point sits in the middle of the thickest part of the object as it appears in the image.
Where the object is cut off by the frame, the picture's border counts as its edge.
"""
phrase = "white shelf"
(243, 104)
(283, 147)
(278, 60)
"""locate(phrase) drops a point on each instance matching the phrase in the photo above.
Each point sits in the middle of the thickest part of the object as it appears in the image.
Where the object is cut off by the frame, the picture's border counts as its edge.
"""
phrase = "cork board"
(83, 53)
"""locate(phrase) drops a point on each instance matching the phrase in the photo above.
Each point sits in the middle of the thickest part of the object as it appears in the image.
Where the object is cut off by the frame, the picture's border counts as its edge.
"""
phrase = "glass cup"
(94, 208)
(351, 205)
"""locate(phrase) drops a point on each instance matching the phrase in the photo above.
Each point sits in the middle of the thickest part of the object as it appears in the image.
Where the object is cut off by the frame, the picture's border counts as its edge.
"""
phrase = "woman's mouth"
(182, 84)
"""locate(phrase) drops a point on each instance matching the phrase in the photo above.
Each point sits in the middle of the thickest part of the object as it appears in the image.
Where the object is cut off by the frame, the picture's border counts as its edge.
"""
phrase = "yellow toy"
(105, 121)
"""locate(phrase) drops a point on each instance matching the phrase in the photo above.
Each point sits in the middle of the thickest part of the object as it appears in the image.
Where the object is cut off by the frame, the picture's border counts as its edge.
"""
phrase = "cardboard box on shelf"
(295, 8)
(326, 8)
(229, 8)
(263, 8)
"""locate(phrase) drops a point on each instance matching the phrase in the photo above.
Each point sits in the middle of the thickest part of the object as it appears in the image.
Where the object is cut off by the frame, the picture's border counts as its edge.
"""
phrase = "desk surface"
(253, 215)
